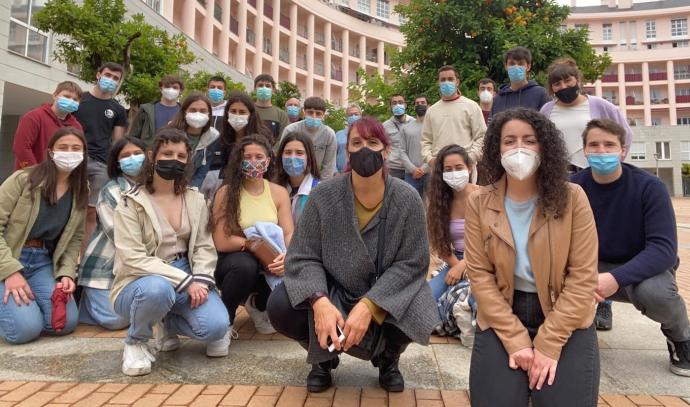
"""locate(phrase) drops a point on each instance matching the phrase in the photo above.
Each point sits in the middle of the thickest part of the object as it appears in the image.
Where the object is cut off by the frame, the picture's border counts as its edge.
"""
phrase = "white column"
(363, 52)
(379, 57)
(327, 62)
(292, 75)
(259, 35)
(207, 27)
(345, 66)
(310, 56)
(598, 90)
(672, 117)
(275, 40)
(189, 17)
(622, 103)
(224, 53)
(242, 34)
(646, 98)
(168, 10)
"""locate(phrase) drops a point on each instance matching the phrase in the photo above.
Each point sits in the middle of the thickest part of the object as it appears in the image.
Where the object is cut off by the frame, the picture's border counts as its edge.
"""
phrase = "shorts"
(98, 177)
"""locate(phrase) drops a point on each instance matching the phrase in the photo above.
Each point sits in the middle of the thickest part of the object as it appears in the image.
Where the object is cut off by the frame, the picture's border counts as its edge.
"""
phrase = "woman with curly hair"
(531, 253)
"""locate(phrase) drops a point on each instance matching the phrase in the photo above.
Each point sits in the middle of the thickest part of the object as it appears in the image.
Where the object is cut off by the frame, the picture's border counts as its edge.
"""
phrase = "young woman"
(42, 214)
(362, 235)
(96, 272)
(573, 109)
(245, 199)
(164, 260)
(297, 170)
(240, 119)
(194, 119)
(531, 253)
(448, 192)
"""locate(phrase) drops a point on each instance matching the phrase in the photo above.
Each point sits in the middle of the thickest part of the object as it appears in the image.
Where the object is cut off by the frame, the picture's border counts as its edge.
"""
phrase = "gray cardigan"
(328, 246)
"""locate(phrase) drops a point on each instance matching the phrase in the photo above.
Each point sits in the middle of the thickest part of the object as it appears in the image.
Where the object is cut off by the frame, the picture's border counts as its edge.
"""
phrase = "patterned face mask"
(254, 168)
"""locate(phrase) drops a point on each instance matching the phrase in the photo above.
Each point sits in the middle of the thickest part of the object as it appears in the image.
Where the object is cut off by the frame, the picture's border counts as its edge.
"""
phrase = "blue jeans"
(438, 283)
(148, 300)
(95, 309)
(21, 324)
(418, 184)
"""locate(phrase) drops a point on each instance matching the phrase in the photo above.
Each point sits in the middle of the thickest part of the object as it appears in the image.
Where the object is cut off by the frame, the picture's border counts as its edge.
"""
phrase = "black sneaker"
(604, 318)
(679, 352)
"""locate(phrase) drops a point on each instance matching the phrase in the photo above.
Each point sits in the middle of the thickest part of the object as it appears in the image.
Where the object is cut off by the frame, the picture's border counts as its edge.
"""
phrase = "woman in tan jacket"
(531, 253)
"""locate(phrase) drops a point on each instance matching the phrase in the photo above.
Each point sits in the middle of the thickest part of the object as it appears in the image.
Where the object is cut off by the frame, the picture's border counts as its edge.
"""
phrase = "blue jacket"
(531, 96)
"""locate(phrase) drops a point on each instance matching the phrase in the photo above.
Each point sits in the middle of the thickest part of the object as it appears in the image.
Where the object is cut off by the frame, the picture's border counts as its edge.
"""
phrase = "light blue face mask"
(294, 166)
(447, 88)
(293, 111)
(107, 85)
(132, 165)
(216, 95)
(398, 110)
(312, 123)
(67, 105)
(517, 73)
(264, 93)
(352, 119)
(604, 163)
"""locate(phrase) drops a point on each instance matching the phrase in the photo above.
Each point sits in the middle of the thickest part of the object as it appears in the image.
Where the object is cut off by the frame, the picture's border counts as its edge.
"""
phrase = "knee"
(114, 323)
(237, 264)
(278, 309)
(156, 290)
(23, 327)
(655, 292)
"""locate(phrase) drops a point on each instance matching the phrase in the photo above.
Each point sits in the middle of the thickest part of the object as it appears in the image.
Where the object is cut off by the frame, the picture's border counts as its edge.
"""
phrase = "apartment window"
(679, 27)
(652, 46)
(154, 4)
(402, 20)
(633, 34)
(383, 9)
(685, 150)
(681, 72)
(682, 91)
(607, 32)
(650, 29)
(622, 27)
(217, 12)
(663, 150)
(638, 151)
(24, 38)
(680, 44)
(363, 6)
(656, 121)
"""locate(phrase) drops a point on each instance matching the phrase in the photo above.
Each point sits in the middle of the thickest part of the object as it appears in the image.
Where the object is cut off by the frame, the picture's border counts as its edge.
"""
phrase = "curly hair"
(165, 135)
(552, 175)
(230, 208)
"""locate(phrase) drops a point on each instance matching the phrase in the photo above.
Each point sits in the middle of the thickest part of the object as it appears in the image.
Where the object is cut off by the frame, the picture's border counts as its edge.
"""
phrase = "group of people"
(217, 201)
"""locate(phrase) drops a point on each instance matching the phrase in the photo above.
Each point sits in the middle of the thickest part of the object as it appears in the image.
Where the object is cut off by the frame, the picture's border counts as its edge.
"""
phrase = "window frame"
(29, 29)
(650, 28)
(638, 155)
(679, 27)
(685, 150)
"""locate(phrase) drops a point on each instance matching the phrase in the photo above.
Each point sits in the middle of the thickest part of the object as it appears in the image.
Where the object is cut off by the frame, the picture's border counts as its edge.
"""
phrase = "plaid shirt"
(96, 270)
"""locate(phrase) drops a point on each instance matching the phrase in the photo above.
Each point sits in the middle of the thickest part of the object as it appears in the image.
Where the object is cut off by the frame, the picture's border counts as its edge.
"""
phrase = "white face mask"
(485, 96)
(456, 179)
(170, 93)
(520, 163)
(238, 121)
(196, 120)
(67, 161)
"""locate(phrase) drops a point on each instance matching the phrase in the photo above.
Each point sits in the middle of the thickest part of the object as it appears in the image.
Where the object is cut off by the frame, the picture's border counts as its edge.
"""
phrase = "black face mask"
(170, 169)
(366, 162)
(568, 95)
(420, 110)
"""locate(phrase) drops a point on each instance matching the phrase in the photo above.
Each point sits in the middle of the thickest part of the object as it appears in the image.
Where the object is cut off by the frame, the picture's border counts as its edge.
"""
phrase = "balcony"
(285, 21)
(683, 99)
(658, 76)
(234, 26)
(610, 77)
(268, 11)
(284, 55)
(371, 56)
(682, 74)
(336, 74)
(217, 12)
(251, 37)
(253, 3)
(320, 39)
(633, 77)
(630, 101)
(336, 45)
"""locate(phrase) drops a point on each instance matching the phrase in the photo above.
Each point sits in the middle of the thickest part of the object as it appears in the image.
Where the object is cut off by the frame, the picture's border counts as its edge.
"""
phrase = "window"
(683, 121)
(681, 72)
(679, 27)
(638, 151)
(650, 29)
(24, 38)
(685, 150)
(363, 6)
(682, 91)
(623, 37)
(663, 150)
(652, 46)
(154, 4)
(383, 9)
(607, 32)
(633, 34)
(656, 121)
(680, 44)
(402, 20)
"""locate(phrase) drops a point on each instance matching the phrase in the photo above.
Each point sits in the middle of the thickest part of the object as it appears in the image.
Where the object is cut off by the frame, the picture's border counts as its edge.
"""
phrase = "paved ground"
(83, 368)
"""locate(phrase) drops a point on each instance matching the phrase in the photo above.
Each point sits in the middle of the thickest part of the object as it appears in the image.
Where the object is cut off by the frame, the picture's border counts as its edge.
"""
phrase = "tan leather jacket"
(563, 254)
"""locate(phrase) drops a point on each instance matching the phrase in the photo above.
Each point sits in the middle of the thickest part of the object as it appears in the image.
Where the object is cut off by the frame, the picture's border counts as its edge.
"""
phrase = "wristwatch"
(315, 297)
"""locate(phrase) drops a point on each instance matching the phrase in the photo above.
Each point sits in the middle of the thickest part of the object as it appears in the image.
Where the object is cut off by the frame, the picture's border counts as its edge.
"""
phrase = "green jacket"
(19, 207)
(144, 124)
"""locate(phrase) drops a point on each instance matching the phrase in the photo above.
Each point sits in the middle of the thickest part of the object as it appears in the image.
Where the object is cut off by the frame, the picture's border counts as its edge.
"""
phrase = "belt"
(176, 257)
(34, 243)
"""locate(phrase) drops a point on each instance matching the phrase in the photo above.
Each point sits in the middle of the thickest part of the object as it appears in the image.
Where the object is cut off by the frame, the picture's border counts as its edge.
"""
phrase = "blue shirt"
(163, 114)
(520, 218)
(341, 151)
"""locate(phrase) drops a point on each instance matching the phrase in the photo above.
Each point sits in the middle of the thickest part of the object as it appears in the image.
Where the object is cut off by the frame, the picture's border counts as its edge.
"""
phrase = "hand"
(522, 359)
(326, 317)
(67, 285)
(542, 367)
(607, 286)
(17, 286)
(356, 325)
(418, 173)
(432, 162)
(455, 273)
(198, 294)
(277, 268)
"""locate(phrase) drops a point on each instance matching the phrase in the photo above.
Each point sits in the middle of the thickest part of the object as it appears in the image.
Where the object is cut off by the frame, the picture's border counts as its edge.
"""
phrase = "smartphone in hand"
(341, 338)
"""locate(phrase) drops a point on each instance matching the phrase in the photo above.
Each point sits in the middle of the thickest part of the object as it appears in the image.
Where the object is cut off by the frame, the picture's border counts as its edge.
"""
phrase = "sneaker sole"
(265, 331)
(217, 354)
(392, 389)
(603, 327)
(680, 371)
(136, 371)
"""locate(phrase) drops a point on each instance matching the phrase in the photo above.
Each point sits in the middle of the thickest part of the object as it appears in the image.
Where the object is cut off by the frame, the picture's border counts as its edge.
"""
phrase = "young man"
(638, 246)
(216, 92)
(293, 108)
(520, 91)
(352, 114)
(322, 136)
(104, 122)
(37, 126)
(416, 170)
(393, 125)
(454, 119)
(153, 116)
(275, 118)
(486, 93)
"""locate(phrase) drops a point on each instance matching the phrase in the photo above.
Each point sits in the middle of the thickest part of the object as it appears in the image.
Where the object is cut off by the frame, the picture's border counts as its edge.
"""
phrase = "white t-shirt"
(571, 121)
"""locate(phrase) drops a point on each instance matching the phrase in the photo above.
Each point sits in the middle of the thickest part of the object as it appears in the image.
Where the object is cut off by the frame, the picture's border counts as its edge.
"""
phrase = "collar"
(305, 186)
(496, 202)
(457, 96)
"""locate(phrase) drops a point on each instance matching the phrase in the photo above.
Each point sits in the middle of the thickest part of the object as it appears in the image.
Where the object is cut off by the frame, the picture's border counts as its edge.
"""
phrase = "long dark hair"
(441, 201)
(113, 166)
(552, 175)
(312, 167)
(165, 135)
(180, 122)
(254, 126)
(45, 173)
(230, 209)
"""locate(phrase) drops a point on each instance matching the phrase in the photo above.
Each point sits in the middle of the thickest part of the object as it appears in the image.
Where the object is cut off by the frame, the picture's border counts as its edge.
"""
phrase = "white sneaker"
(165, 341)
(220, 348)
(136, 359)
(261, 322)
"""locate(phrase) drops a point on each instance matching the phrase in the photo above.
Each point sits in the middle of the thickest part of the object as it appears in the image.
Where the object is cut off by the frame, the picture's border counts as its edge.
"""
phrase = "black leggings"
(238, 275)
(493, 383)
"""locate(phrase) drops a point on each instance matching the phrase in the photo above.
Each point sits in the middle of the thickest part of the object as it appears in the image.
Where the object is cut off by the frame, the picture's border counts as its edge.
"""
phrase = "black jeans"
(238, 275)
(494, 384)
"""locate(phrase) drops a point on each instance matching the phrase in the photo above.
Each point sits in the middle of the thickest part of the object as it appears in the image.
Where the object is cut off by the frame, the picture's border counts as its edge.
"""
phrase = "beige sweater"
(456, 122)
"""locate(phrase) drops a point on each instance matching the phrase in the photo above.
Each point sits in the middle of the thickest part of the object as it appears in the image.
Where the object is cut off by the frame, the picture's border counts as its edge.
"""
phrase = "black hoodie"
(531, 96)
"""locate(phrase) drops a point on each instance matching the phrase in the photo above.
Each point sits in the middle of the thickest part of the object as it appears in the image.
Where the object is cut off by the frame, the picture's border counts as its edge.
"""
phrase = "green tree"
(372, 94)
(285, 90)
(473, 35)
(198, 81)
(97, 31)
(335, 116)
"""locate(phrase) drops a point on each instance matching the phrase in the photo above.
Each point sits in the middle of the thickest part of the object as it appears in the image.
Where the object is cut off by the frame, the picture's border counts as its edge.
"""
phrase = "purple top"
(457, 234)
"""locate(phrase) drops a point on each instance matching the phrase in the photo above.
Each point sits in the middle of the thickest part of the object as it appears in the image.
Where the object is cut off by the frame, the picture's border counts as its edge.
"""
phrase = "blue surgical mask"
(312, 122)
(398, 110)
(352, 119)
(604, 163)
(216, 95)
(107, 85)
(517, 73)
(132, 165)
(294, 166)
(293, 111)
(447, 88)
(264, 93)
(67, 105)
